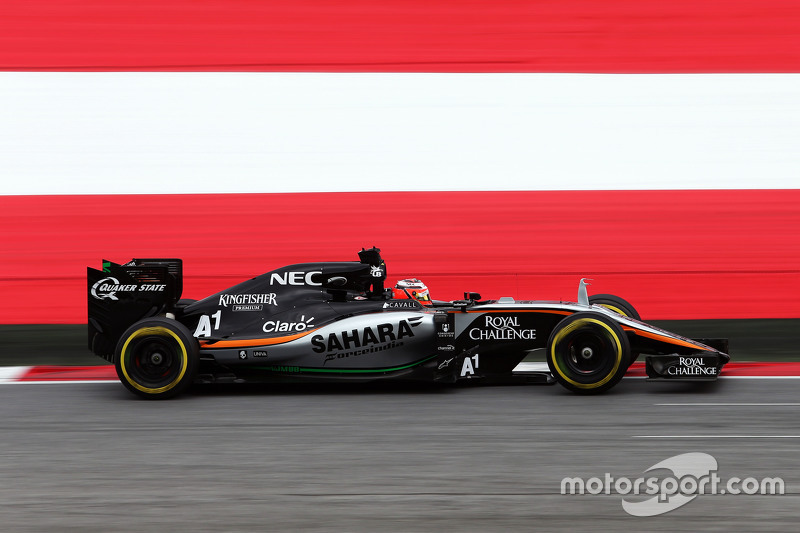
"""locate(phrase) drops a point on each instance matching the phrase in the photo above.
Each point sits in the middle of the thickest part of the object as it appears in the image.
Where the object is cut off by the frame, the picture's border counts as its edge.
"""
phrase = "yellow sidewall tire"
(177, 342)
(614, 356)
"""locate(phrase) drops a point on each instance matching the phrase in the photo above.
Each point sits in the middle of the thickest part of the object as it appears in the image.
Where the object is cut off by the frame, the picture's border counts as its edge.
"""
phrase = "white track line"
(542, 367)
(729, 404)
(715, 436)
(759, 377)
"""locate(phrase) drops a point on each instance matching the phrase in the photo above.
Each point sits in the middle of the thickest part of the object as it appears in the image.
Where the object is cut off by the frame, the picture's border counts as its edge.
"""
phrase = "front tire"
(156, 358)
(619, 306)
(588, 353)
(616, 304)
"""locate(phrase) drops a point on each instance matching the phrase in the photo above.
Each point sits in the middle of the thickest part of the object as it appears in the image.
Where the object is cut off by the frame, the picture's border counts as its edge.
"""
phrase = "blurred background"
(508, 148)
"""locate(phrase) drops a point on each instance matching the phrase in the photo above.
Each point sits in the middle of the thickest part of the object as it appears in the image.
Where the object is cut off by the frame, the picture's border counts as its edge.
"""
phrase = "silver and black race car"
(336, 321)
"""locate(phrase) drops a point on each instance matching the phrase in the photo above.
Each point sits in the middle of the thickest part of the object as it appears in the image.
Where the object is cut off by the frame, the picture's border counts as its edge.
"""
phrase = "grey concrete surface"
(91, 457)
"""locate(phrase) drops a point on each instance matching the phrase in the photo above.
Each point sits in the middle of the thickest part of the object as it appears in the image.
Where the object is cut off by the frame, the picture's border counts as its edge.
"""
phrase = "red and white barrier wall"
(492, 172)
(683, 36)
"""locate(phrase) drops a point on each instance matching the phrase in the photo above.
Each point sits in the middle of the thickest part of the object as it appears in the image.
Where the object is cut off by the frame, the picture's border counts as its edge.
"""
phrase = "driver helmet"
(412, 289)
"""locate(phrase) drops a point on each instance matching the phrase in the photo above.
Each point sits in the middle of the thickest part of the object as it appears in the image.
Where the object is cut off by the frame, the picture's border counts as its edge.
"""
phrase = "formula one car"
(336, 321)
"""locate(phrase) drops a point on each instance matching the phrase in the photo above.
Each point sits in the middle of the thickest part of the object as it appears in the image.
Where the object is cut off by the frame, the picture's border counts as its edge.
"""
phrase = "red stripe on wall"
(403, 36)
(674, 254)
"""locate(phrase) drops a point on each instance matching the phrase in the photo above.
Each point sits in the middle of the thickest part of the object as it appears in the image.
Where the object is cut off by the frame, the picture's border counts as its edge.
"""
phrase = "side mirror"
(583, 295)
(472, 296)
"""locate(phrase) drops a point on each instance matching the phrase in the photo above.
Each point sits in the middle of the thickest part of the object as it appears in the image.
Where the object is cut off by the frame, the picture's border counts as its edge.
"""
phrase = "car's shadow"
(352, 388)
(310, 389)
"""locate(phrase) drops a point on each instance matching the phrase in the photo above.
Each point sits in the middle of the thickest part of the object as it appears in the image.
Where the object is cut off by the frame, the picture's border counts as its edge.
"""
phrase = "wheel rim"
(586, 353)
(583, 353)
(154, 360)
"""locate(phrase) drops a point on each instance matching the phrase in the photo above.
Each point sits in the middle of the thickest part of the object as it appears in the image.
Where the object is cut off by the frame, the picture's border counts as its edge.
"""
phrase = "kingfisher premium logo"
(247, 302)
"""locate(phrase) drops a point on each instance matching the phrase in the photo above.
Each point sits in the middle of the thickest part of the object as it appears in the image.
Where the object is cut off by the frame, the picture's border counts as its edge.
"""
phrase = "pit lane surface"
(90, 457)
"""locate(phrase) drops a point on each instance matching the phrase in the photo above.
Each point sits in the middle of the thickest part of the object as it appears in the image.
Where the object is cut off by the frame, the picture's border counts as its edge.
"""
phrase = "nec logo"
(294, 278)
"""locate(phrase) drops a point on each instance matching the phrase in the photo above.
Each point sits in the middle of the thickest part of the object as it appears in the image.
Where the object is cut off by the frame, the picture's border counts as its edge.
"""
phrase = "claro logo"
(275, 326)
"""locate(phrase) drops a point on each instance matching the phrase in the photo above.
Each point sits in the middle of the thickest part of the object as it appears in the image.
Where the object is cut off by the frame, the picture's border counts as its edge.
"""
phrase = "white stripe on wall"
(89, 133)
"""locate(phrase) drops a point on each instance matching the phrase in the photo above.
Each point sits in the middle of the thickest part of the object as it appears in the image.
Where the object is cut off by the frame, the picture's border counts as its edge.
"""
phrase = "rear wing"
(119, 295)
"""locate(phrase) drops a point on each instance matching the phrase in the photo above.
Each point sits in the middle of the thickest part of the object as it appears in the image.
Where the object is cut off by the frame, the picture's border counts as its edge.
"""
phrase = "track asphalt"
(90, 457)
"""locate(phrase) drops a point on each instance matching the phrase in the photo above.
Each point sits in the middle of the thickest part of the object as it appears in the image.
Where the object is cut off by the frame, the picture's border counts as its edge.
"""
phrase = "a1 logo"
(204, 324)
(469, 366)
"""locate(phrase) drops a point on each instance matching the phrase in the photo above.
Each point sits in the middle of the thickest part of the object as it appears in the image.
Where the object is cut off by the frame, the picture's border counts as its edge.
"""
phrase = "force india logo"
(501, 328)
(364, 341)
(107, 288)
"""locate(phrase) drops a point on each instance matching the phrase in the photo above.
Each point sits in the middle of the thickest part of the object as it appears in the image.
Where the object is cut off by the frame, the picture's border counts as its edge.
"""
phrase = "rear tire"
(588, 353)
(156, 358)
